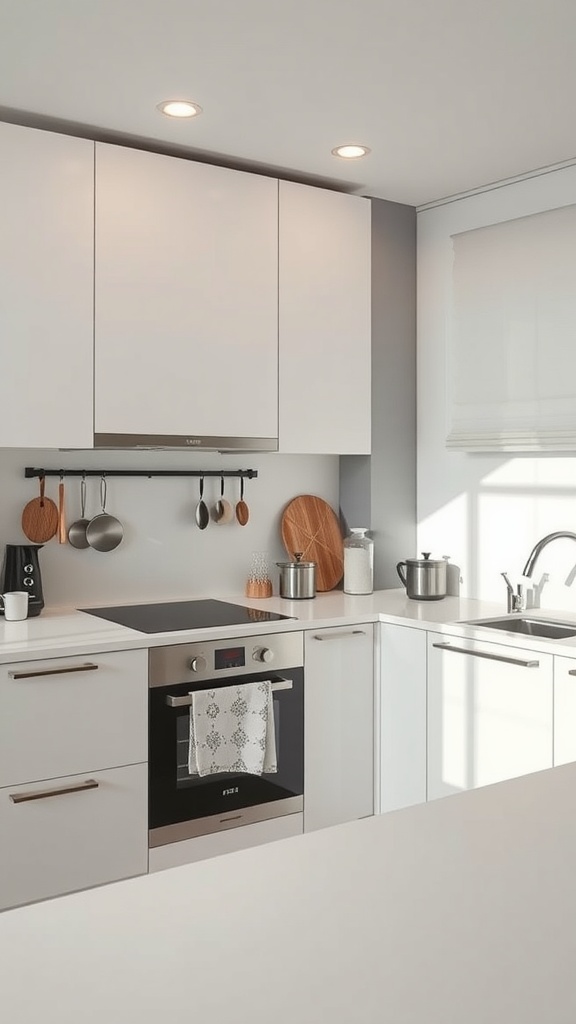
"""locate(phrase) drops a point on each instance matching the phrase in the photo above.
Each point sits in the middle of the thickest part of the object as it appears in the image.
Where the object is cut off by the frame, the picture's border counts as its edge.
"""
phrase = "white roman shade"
(512, 335)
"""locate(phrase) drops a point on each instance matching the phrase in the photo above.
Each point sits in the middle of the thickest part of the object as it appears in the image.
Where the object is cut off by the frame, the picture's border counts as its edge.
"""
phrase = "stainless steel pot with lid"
(424, 578)
(297, 579)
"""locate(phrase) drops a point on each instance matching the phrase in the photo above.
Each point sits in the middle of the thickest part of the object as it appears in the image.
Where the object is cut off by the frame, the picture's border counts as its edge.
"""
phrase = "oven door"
(181, 805)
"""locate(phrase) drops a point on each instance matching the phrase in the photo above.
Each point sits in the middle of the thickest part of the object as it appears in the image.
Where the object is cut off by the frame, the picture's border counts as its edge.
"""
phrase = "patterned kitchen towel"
(232, 730)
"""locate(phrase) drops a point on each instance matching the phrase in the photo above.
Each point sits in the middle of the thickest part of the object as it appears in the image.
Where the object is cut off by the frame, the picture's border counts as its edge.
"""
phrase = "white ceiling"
(449, 94)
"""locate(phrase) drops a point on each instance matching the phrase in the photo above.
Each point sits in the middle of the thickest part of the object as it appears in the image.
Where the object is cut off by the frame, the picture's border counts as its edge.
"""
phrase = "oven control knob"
(198, 664)
(264, 654)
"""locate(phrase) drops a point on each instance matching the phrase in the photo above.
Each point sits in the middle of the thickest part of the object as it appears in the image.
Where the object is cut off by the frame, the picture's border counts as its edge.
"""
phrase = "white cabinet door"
(338, 725)
(186, 334)
(61, 716)
(46, 289)
(402, 716)
(489, 713)
(72, 833)
(564, 710)
(324, 321)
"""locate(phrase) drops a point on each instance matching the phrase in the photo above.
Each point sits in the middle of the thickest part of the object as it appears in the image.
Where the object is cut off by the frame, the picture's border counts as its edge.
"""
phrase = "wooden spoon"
(40, 518)
(242, 510)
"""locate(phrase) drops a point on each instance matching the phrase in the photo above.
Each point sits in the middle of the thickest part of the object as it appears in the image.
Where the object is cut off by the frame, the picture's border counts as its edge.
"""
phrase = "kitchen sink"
(551, 629)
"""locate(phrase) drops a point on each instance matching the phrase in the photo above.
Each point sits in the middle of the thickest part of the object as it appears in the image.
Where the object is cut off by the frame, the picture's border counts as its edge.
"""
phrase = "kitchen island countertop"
(460, 911)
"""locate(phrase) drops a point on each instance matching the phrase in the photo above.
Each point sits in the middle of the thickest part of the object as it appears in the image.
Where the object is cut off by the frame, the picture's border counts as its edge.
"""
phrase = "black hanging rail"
(31, 471)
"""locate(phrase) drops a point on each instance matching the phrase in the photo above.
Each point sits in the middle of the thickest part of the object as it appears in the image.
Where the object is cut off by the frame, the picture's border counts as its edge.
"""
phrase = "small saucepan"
(104, 532)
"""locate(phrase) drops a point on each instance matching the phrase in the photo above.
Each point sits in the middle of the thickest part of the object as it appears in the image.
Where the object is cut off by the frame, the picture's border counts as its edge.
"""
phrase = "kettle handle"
(401, 574)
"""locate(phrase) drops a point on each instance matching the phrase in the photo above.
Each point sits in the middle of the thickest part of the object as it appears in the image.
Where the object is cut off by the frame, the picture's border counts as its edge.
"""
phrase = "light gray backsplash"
(379, 491)
(163, 554)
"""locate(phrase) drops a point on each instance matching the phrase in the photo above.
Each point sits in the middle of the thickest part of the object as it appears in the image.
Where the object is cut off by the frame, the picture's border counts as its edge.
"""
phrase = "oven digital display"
(230, 657)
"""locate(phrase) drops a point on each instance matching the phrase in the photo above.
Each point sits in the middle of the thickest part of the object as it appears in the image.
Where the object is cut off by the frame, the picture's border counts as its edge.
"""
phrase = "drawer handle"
(186, 700)
(88, 666)
(42, 794)
(572, 671)
(491, 657)
(338, 636)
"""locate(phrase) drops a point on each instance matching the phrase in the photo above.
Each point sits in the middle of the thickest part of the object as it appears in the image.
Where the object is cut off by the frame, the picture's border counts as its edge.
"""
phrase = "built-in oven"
(183, 805)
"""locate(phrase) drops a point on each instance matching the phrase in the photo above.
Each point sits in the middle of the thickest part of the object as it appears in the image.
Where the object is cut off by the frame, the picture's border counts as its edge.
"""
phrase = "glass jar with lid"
(358, 562)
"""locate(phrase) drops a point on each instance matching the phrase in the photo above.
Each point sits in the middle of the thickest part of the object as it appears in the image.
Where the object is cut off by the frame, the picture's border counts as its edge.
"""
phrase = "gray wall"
(379, 491)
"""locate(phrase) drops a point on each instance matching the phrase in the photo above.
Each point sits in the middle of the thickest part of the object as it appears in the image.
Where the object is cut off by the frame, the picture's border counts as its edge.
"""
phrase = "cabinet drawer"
(72, 833)
(67, 715)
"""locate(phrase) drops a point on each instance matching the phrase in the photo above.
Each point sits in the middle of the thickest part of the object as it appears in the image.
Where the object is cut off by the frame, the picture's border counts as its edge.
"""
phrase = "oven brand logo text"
(228, 792)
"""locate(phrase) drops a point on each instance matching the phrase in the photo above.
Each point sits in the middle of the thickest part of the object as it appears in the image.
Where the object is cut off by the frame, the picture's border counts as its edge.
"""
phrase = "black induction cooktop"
(174, 615)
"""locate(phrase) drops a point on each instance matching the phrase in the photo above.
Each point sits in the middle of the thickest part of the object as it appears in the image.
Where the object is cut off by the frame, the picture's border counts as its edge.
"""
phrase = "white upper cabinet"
(324, 321)
(46, 289)
(186, 332)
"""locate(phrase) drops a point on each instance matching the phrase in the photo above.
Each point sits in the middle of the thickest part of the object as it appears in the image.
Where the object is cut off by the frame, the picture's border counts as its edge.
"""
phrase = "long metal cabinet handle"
(338, 636)
(42, 794)
(491, 657)
(186, 700)
(88, 666)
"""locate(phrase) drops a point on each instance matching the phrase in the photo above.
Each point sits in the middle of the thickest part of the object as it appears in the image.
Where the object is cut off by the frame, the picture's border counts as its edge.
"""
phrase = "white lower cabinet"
(339, 725)
(61, 716)
(72, 833)
(402, 716)
(489, 713)
(564, 710)
(73, 773)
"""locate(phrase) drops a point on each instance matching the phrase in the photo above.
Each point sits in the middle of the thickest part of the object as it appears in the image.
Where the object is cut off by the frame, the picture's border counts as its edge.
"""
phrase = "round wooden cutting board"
(311, 526)
(40, 518)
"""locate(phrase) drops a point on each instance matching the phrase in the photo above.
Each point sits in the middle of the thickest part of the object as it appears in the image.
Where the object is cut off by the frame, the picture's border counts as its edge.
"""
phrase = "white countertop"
(460, 911)
(61, 632)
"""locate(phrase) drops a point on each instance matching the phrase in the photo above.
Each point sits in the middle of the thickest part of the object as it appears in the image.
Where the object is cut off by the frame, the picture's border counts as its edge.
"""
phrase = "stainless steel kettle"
(424, 578)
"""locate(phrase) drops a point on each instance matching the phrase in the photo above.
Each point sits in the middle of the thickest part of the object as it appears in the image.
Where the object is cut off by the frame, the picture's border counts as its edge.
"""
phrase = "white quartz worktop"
(61, 632)
(460, 911)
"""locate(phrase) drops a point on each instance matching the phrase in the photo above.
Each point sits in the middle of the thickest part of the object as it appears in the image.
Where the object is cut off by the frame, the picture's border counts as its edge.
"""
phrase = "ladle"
(202, 513)
(77, 532)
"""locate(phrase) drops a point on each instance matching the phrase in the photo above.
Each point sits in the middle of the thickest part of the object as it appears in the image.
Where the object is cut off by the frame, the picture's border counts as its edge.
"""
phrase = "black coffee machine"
(21, 571)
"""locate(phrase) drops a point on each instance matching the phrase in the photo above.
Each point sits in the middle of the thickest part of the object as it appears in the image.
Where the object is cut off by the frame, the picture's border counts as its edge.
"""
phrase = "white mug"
(15, 605)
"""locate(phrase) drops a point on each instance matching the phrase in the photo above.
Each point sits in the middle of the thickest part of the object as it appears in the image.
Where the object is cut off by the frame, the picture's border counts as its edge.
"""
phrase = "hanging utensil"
(77, 532)
(223, 511)
(61, 512)
(202, 513)
(104, 532)
(40, 517)
(242, 510)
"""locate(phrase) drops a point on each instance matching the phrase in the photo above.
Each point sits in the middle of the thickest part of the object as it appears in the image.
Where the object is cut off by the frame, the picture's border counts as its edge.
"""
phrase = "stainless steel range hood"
(192, 443)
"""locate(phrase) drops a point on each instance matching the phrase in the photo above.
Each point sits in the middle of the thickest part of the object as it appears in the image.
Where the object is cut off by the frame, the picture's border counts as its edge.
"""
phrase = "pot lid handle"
(298, 555)
(426, 555)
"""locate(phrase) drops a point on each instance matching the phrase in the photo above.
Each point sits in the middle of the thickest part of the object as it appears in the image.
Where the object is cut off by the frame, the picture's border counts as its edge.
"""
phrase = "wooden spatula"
(62, 535)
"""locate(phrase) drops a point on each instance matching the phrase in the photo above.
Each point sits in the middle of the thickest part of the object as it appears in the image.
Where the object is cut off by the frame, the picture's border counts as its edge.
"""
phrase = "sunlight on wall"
(492, 526)
(518, 504)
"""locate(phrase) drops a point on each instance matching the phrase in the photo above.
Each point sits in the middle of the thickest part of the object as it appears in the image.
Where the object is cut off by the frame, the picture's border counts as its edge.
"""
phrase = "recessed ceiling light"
(350, 152)
(179, 108)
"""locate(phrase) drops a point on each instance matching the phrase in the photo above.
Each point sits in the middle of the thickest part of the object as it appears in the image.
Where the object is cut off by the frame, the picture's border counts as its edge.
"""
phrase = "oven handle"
(186, 700)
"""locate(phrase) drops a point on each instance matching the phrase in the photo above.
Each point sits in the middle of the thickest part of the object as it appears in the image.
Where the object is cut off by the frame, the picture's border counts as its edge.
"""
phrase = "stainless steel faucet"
(529, 567)
(516, 601)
